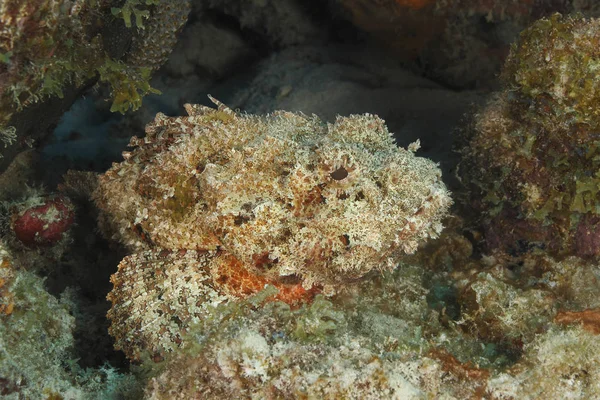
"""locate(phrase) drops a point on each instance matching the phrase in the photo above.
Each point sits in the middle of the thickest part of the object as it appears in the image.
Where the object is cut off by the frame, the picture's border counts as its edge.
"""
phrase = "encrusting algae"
(37, 343)
(217, 204)
(52, 51)
(531, 157)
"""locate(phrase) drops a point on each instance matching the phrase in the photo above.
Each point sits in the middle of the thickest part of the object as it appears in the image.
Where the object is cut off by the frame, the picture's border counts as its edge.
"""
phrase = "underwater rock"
(204, 45)
(52, 51)
(280, 23)
(504, 300)
(36, 344)
(20, 172)
(462, 43)
(558, 364)
(499, 311)
(530, 161)
(379, 341)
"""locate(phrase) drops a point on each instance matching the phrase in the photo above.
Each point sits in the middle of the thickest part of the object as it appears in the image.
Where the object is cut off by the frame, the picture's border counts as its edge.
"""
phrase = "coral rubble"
(558, 364)
(322, 350)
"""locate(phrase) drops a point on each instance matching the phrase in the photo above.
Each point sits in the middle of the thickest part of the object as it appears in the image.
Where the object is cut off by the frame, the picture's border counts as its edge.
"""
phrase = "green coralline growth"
(532, 155)
(559, 364)
(44, 44)
(37, 360)
(382, 340)
(250, 349)
(49, 49)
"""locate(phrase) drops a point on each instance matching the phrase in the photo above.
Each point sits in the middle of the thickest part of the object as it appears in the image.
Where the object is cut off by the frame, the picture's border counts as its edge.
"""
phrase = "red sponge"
(43, 224)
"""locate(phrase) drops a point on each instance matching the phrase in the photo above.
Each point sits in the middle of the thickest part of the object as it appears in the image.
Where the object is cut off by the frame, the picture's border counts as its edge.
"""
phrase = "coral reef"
(36, 345)
(281, 22)
(382, 341)
(558, 364)
(30, 30)
(151, 49)
(252, 349)
(282, 199)
(57, 49)
(530, 161)
(505, 299)
(495, 310)
(279, 254)
(511, 300)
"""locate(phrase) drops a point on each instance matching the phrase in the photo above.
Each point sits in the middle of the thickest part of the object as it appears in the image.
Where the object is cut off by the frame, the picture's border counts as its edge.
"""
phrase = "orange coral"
(466, 372)
(589, 319)
(6, 276)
